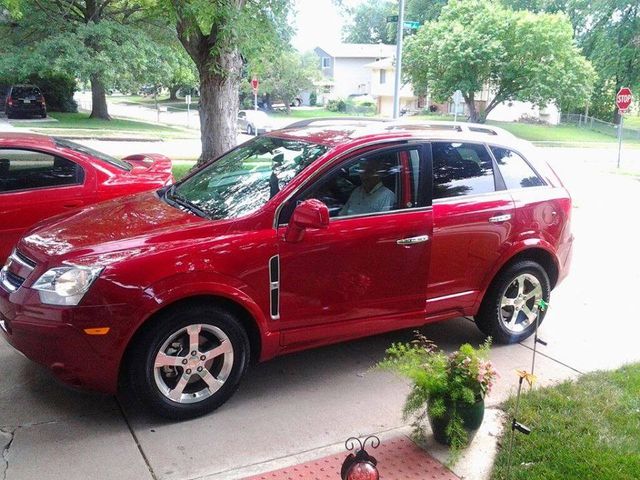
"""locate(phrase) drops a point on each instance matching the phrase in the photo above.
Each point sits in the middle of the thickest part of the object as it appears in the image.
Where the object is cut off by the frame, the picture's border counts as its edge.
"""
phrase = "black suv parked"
(25, 100)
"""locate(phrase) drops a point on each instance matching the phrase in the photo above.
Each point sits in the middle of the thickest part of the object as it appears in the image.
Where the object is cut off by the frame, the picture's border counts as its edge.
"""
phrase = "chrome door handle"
(500, 218)
(412, 240)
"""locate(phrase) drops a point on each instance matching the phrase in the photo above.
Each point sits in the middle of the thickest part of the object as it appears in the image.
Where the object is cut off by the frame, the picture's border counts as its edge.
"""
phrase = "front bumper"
(55, 338)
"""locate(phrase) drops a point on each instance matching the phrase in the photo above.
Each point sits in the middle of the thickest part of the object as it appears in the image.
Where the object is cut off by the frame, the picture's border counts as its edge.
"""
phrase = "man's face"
(369, 176)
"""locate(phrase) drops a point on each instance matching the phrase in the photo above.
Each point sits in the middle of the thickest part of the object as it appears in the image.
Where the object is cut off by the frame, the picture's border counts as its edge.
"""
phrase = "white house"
(343, 67)
(382, 80)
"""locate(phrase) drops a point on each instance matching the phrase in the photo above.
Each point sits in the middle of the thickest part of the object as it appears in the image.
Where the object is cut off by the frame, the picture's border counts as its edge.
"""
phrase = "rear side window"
(461, 169)
(515, 171)
(29, 170)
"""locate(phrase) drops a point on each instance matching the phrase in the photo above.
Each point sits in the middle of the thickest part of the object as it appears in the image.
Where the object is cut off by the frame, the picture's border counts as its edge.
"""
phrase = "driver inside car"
(371, 196)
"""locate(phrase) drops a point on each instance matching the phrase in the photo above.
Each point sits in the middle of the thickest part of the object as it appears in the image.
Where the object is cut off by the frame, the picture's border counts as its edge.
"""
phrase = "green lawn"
(588, 429)
(181, 167)
(80, 125)
(632, 121)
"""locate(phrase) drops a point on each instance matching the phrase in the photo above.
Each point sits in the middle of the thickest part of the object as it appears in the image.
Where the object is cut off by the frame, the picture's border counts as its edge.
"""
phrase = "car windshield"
(258, 115)
(76, 147)
(244, 179)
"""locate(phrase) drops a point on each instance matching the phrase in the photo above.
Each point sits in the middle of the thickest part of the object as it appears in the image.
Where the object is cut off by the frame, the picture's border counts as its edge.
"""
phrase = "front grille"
(10, 280)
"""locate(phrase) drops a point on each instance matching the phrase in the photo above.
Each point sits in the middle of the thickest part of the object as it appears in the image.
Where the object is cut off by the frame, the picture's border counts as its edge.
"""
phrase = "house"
(382, 80)
(343, 68)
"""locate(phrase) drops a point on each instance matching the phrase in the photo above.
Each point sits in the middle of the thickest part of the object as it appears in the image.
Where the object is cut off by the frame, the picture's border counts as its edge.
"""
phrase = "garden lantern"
(361, 465)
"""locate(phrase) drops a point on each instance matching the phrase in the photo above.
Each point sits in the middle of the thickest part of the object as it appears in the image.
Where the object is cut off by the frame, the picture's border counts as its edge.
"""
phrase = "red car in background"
(295, 239)
(43, 176)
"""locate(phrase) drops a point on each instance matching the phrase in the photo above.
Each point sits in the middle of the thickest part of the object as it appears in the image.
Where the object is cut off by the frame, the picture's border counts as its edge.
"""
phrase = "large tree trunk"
(471, 105)
(98, 99)
(219, 105)
(173, 92)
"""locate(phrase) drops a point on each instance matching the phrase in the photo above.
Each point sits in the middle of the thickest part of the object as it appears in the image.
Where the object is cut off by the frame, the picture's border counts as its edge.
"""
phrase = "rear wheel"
(189, 362)
(510, 306)
(249, 130)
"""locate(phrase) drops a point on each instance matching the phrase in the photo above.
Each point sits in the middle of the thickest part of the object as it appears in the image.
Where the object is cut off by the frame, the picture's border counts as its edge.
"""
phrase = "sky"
(318, 21)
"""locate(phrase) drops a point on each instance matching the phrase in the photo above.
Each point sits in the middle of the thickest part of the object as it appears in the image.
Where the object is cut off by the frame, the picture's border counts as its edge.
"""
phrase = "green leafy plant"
(441, 382)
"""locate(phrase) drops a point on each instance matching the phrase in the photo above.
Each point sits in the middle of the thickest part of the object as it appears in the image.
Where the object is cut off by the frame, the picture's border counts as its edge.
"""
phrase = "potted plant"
(448, 389)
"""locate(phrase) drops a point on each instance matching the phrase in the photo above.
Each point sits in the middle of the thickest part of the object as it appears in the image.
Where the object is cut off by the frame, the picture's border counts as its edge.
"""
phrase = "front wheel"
(510, 306)
(189, 362)
(249, 130)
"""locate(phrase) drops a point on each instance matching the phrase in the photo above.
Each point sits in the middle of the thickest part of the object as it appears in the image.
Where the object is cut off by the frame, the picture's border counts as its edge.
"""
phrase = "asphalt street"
(305, 405)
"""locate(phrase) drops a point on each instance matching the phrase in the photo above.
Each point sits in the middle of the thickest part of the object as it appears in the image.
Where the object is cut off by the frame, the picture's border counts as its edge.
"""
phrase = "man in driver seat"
(371, 196)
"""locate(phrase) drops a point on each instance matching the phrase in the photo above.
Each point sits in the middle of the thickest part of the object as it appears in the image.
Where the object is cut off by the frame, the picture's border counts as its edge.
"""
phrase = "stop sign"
(623, 99)
(255, 83)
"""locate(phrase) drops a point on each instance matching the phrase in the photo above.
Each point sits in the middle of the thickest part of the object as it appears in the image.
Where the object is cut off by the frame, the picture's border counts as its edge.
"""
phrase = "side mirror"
(309, 214)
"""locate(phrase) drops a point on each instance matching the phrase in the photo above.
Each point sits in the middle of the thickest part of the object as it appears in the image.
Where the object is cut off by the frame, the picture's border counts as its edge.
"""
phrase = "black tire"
(168, 334)
(249, 130)
(496, 319)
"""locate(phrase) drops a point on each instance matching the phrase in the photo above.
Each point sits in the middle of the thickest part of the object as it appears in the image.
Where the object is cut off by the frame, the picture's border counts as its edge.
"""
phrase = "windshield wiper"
(171, 196)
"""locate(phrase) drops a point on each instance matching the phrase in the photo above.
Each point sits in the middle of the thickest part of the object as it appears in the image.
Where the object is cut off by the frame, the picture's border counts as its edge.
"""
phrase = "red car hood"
(124, 224)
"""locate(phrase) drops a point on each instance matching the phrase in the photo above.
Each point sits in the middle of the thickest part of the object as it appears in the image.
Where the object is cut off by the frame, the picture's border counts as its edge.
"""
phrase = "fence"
(606, 128)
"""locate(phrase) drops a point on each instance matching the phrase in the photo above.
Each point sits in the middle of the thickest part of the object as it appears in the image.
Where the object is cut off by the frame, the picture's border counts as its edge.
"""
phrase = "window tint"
(26, 92)
(461, 169)
(515, 171)
(368, 184)
(25, 170)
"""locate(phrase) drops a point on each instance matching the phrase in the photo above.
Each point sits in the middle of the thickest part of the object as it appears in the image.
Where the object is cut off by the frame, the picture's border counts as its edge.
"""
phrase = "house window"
(383, 77)
(326, 62)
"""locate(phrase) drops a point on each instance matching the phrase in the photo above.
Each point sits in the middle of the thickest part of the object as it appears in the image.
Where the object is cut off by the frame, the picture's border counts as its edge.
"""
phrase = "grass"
(181, 167)
(632, 121)
(80, 125)
(151, 103)
(584, 429)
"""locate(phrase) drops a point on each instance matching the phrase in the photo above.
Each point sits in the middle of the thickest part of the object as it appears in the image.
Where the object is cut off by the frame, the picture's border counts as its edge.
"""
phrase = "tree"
(608, 31)
(94, 39)
(368, 23)
(290, 74)
(217, 35)
(520, 55)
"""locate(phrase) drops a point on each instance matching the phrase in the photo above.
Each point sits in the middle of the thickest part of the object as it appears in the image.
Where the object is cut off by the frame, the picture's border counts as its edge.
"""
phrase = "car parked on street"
(43, 176)
(252, 122)
(326, 231)
(25, 100)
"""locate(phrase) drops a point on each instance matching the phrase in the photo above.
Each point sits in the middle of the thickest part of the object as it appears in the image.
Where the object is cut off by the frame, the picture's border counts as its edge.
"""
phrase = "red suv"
(299, 238)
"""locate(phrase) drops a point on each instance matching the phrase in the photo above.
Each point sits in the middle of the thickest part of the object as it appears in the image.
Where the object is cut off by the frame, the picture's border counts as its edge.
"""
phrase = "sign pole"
(396, 87)
(620, 137)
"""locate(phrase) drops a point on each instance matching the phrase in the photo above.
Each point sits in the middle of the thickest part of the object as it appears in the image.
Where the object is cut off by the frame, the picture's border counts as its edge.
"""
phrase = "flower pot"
(471, 416)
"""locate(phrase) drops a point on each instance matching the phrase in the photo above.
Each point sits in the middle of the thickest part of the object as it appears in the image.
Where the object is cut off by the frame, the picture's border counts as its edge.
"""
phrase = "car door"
(242, 121)
(367, 271)
(33, 186)
(473, 219)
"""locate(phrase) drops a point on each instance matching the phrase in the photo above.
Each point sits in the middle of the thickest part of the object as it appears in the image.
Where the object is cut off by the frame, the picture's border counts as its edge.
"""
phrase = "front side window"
(326, 62)
(515, 171)
(243, 180)
(368, 184)
(461, 169)
(28, 170)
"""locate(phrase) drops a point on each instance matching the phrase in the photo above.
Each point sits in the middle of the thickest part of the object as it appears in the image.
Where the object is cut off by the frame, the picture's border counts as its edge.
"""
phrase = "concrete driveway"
(304, 405)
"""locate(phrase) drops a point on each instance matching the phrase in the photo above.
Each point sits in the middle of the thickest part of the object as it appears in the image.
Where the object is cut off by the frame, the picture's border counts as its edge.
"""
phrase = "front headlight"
(65, 285)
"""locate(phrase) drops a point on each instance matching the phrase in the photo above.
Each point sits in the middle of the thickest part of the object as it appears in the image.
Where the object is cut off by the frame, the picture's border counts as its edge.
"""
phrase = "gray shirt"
(380, 199)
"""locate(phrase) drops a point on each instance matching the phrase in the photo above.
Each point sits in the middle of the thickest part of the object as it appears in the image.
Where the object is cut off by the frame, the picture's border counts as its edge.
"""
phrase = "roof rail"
(327, 121)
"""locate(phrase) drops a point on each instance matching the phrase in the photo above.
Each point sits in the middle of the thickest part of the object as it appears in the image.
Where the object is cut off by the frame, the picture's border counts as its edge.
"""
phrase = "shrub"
(313, 99)
(337, 105)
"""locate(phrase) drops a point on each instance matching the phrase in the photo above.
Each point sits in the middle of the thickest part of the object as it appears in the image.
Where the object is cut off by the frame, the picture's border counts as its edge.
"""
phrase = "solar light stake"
(541, 306)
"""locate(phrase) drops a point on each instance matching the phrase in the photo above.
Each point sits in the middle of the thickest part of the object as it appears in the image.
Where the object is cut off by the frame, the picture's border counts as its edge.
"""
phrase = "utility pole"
(396, 88)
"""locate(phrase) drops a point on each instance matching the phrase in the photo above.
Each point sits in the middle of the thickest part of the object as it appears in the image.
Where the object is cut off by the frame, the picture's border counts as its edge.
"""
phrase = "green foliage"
(440, 381)
(368, 23)
(338, 105)
(358, 106)
(313, 98)
(520, 55)
(589, 428)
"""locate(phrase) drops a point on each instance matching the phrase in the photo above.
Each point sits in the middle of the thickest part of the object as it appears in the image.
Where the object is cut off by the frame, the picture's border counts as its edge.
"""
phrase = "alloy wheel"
(519, 304)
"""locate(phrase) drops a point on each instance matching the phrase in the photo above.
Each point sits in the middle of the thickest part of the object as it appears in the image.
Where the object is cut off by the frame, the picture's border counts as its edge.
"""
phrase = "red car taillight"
(10, 101)
(41, 100)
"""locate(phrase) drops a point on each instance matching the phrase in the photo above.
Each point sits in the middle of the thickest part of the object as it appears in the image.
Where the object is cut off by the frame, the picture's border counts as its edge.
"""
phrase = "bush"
(337, 106)
(433, 108)
(57, 90)
(360, 107)
(313, 99)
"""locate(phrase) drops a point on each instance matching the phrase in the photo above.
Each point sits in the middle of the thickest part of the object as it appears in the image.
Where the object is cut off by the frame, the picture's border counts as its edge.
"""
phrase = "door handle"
(413, 240)
(500, 218)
